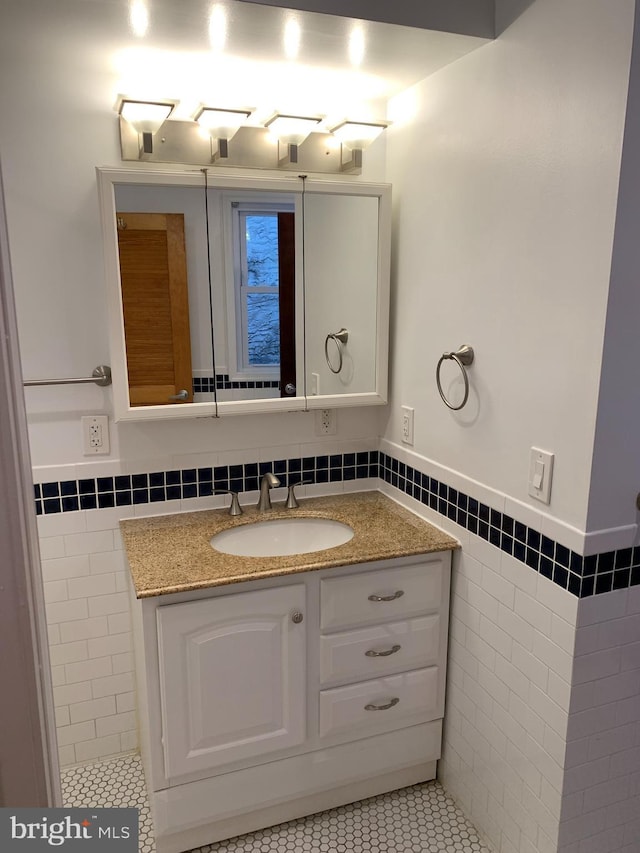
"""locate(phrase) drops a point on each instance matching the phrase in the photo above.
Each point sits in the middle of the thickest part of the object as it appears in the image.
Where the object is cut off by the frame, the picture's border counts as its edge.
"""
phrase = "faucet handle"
(292, 501)
(234, 508)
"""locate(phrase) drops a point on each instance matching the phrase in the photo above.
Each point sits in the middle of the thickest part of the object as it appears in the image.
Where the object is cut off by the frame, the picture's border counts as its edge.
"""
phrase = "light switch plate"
(540, 474)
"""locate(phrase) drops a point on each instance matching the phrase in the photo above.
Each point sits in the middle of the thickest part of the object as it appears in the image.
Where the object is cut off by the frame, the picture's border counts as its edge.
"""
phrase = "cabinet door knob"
(391, 597)
(297, 617)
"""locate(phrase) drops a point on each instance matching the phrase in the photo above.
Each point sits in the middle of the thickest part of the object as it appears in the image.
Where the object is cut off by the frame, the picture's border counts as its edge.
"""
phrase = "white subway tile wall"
(601, 806)
(90, 635)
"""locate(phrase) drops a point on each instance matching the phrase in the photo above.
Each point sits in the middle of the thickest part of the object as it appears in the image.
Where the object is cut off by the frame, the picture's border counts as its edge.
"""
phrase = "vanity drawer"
(381, 704)
(369, 652)
(381, 595)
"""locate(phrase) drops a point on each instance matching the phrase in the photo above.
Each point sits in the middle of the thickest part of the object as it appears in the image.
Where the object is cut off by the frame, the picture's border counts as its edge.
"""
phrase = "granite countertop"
(171, 553)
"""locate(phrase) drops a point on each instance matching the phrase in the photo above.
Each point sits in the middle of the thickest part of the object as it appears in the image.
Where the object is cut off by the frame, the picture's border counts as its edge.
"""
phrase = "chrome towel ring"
(340, 339)
(463, 357)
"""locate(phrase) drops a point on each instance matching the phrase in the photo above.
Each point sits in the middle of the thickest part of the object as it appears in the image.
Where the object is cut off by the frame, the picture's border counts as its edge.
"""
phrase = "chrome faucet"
(268, 481)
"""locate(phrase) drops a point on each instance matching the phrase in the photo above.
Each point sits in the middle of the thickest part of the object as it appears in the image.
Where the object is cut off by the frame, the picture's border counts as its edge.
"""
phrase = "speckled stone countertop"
(172, 553)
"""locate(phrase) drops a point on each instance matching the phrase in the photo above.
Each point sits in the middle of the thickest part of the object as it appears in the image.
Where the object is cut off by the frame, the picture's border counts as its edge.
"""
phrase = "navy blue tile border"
(222, 382)
(581, 576)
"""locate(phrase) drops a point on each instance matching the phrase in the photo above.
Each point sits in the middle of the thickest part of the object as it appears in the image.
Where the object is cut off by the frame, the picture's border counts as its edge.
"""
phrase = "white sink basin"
(281, 536)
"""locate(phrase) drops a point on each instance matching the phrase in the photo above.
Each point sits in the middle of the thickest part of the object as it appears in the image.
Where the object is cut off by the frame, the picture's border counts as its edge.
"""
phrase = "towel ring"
(340, 339)
(463, 357)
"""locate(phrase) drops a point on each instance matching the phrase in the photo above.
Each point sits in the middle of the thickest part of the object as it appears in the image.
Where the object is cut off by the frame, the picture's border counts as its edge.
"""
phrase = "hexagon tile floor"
(420, 819)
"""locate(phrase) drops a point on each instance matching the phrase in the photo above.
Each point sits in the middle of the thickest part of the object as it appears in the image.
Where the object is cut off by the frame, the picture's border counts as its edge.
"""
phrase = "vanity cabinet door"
(232, 678)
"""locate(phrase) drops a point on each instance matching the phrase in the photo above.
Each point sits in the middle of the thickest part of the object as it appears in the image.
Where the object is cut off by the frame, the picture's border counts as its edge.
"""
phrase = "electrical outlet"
(326, 422)
(95, 435)
(407, 425)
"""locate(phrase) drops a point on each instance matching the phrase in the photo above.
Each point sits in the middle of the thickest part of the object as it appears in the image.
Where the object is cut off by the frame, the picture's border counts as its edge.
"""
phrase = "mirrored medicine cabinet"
(231, 295)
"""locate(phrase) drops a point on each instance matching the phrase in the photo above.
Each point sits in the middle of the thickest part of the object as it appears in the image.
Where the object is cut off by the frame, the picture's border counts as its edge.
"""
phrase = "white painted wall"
(505, 170)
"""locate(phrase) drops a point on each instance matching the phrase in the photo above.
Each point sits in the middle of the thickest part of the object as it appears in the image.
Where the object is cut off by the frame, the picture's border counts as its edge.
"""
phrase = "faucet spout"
(267, 482)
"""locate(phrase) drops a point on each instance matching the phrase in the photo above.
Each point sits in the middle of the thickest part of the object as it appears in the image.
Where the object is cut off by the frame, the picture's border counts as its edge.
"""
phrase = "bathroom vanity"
(274, 687)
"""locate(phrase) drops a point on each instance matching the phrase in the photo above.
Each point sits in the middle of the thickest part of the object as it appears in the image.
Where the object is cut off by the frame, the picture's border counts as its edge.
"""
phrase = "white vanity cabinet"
(270, 699)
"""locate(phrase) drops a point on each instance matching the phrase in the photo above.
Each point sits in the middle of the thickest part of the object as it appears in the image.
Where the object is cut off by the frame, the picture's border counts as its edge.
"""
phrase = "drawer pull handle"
(386, 707)
(392, 597)
(372, 653)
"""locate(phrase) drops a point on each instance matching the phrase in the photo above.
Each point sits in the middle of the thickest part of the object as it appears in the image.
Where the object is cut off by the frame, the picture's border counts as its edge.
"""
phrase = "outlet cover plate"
(95, 435)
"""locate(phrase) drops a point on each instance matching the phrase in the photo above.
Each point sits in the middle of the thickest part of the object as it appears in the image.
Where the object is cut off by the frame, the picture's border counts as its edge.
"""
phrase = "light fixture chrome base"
(182, 142)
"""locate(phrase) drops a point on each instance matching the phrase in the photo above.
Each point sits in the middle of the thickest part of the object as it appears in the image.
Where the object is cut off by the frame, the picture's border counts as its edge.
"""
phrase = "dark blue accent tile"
(156, 494)
(635, 575)
(221, 485)
(221, 472)
(532, 559)
(424, 480)
(362, 472)
(562, 555)
(123, 482)
(635, 560)
(473, 506)
(433, 501)
(236, 472)
(189, 490)
(374, 470)
(362, 458)
(443, 490)
(322, 462)
(106, 500)
(546, 567)
(236, 486)
(205, 475)
(335, 461)
(453, 495)
(587, 587)
(547, 547)
(434, 486)
(561, 576)
(205, 489)
(533, 539)
(124, 498)
(140, 496)
(496, 519)
(70, 503)
(51, 505)
(393, 479)
(574, 584)
(589, 564)
(442, 506)
(189, 475)
(156, 478)
(294, 466)
(409, 474)
(519, 551)
(483, 530)
(374, 457)
(38, 507)
(70, 487)
(452, 511)
(419, 479)
(462, 517)
(105, 484)
(349, 473)
(88, 501)
(520, 532)
(139, 481)
(472, 523)
(424, 496)
(322, 475)
(251, 484)
(605, 562)
(507, 525)
(463, 501)
(604, 582)
(50, 490)
(576, 563)
(622, 561)
(37, 491)
(402, 469)
(173, 493)
(484, 513)
(494, 536)
(506, 543)
(335, 475)
(621, 578)
(395, 465)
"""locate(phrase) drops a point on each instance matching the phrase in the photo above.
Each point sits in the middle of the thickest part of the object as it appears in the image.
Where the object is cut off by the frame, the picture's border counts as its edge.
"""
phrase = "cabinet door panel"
(231, 678)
